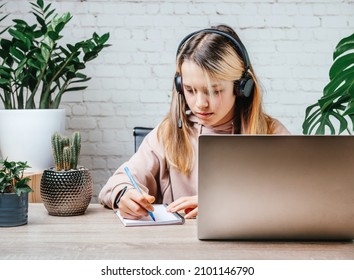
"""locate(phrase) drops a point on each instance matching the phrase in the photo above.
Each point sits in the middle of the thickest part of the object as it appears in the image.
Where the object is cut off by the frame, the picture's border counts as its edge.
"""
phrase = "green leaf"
(40, 3)
(39, 57)
(49, 14)
(80, 75)
(4, 81)
(95, 37)
(53, 35)
(342, 121)
(46, 46)
(5, 44)
(104, 38)
(17, 54)
(336, 87)
(79, 81)
(64, 51)
(350, 109)
(59, 27)
(40, 20)
(34, 64)
(19, 70)
(39, 33)
(72, 48)
(76, 88)
(351, 117)
(311, 120)
(323, 123)
(45, 52)
(341, 64)
(47, 8)
(5, 74)
(344, 45)
(20, 36)
(90, 56)
(20, 22)
(22, 189)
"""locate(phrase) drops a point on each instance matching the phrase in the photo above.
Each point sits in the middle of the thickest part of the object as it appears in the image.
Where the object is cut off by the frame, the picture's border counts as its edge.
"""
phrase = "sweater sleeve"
(146, 165)
(279, 128)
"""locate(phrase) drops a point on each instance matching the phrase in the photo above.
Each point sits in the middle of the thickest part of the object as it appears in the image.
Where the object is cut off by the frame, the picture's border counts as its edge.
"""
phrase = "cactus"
(75, 149)
(57, 147)
(67, 157)
(65, 152)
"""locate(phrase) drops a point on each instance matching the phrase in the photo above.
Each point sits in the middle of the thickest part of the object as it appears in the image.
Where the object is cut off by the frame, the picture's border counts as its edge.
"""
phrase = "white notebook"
(162, 217)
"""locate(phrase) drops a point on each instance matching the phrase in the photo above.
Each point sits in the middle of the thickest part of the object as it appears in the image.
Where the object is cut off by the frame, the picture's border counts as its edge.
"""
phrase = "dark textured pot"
(13, 209)
(66, 193)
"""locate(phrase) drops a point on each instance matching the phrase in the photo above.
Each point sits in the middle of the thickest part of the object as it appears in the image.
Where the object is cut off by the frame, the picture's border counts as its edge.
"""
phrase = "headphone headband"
(239, 47)
(244, 86)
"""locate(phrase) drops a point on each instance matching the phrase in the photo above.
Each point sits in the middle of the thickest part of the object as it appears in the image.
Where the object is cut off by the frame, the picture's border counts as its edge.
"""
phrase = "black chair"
(139, 134)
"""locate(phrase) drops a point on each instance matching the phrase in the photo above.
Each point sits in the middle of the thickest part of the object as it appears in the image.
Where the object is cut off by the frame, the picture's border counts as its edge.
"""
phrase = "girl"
(215, 91)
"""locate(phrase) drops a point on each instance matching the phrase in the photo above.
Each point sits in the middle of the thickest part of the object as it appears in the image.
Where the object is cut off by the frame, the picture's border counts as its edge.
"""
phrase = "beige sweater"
(151, 171)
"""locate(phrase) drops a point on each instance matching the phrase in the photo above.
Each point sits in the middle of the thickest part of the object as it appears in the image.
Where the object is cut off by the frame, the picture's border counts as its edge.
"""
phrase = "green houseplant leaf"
(33, 63)
(12, 179)
(334, 111)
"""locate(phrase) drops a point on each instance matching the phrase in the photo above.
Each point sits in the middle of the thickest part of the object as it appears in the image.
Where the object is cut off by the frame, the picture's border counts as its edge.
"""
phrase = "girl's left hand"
(188, 203)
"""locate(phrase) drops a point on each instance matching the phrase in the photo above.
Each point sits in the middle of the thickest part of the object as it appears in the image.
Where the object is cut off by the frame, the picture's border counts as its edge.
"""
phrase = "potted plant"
(35, 71)
(13, 193)
(66, 189)
(334, 112)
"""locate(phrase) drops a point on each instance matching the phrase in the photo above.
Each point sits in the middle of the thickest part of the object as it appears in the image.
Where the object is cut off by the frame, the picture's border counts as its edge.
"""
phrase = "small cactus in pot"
(66, 189)
(65, 152)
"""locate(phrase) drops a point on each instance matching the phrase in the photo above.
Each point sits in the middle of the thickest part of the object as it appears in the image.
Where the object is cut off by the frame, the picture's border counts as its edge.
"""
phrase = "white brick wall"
(290, 44)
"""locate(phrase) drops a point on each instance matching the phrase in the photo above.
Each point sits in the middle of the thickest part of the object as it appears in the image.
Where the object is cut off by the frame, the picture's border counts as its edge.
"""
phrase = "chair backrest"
(139, 135)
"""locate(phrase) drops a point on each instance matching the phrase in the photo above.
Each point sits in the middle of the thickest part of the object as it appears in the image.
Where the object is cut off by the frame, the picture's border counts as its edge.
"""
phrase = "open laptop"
(263, 187)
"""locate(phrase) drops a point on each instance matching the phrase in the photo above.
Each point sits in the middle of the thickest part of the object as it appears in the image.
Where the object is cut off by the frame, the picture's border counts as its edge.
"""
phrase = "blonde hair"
(219, 60)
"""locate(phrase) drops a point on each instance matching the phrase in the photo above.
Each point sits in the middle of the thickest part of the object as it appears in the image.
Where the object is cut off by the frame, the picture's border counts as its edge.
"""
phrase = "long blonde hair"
(219, 60)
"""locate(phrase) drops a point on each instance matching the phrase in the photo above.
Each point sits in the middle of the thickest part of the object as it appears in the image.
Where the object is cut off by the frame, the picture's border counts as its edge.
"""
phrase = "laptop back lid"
(275, 187)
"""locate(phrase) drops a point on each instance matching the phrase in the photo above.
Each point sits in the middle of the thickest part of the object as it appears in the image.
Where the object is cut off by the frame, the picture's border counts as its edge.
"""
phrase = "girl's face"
(213, 108)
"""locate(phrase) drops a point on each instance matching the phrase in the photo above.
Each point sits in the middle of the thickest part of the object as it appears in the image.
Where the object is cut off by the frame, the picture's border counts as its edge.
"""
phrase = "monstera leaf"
(334, 111)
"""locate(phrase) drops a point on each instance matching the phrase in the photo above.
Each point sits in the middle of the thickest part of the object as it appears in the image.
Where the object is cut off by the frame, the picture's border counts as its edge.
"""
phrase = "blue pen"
(126, 169)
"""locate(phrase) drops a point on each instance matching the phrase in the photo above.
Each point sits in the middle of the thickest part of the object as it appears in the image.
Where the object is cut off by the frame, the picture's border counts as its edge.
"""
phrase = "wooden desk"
(99, 235)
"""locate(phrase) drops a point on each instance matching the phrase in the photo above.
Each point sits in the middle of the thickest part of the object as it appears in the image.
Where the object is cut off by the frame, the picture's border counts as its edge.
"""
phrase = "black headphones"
(245, 84)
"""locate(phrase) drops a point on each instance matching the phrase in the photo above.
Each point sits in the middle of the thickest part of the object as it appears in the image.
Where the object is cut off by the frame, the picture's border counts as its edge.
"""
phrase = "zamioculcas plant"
(334, 111)
(66, 151)
(33, 63)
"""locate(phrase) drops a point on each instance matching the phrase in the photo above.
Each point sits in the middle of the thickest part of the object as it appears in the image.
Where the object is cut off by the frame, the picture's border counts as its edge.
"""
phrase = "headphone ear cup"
(179, 89)
(246, 85)
(178, 84)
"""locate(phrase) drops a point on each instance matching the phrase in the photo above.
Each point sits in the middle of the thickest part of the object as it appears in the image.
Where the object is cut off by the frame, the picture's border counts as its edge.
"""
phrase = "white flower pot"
(25, 135)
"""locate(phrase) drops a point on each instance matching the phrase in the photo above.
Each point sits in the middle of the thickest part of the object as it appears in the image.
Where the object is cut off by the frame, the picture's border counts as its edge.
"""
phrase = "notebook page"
(161, 215)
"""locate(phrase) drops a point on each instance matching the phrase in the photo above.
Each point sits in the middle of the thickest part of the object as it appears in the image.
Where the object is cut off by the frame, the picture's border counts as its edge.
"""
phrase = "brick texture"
(290, 44)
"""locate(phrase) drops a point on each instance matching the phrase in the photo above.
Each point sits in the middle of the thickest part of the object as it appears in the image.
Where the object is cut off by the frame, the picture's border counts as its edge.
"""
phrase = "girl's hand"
(134, 206)
(188, 203)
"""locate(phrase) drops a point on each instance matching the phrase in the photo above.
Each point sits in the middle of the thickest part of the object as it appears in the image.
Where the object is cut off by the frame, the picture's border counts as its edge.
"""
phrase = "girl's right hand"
(134, 206)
